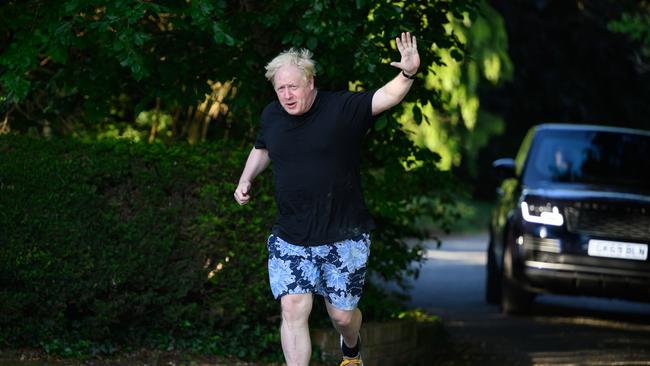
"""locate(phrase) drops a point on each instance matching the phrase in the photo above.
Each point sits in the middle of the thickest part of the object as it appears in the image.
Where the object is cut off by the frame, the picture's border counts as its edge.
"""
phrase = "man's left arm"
(395, 90)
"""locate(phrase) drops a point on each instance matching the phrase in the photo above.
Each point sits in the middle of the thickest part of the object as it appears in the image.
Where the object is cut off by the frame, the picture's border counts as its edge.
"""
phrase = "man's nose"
(286, 94)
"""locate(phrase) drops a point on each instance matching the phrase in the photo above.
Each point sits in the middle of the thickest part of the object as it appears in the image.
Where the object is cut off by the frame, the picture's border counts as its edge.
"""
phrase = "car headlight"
(542, 214)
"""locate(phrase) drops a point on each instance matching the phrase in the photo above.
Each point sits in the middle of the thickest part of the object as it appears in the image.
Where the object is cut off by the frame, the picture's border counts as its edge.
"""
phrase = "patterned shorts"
(336, 271)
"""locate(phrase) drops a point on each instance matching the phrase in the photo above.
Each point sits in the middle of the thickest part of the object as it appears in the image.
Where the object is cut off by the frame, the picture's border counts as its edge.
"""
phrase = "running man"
(320, 241)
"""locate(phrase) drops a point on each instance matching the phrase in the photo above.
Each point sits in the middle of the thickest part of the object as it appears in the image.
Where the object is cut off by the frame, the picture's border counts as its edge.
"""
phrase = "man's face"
(295, 95)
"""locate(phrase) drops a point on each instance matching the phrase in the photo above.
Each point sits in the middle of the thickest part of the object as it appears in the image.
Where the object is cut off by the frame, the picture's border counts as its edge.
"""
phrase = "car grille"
(542, 244)
(608, 220)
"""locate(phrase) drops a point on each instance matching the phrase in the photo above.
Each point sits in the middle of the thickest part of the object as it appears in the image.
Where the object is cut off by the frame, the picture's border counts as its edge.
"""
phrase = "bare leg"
(294, 330)
(346, 322)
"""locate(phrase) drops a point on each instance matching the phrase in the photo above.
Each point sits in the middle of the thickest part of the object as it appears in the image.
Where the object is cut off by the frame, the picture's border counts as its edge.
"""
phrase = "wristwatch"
(412, 77)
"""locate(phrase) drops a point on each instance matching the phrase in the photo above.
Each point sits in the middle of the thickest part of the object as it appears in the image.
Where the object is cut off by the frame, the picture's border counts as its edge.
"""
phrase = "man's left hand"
(408, 49)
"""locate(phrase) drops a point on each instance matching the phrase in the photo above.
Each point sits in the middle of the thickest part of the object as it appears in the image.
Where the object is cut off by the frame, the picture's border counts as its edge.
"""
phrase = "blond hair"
(301, 58)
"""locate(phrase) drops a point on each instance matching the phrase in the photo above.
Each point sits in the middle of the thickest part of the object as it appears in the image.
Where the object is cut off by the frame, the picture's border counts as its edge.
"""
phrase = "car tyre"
(514, 298)
(492, 278)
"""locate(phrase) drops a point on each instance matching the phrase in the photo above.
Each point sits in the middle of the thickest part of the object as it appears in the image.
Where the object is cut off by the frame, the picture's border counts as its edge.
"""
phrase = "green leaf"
(417, 114)
(218, 35)
(381, 123)
(17, 86)
(59, 54)
(298, 38)
(456, 54)
(229, 40)
(140, 38)
(312, 42)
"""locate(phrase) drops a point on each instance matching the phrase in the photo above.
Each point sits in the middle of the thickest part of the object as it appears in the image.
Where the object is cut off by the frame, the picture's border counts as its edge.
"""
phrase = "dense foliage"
(635, 23)
(123, 242)
(113, 242)
(71, 65)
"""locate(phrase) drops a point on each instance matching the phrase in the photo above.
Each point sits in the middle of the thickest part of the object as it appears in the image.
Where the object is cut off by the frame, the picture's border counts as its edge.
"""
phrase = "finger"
(406, 39)
(242, 200)
(243, 188)
(239, 195)
(400, 45)
(415, 43)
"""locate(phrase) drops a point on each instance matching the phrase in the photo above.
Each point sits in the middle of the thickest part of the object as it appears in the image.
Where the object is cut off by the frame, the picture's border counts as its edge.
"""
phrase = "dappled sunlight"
(595, 358)
(4, 125)
(460, 127)
(456, 257)
(430, 135)
(492, 68)
(212, 106)
(467, 249)
(159, 124)
(593, 322)
(216, 268)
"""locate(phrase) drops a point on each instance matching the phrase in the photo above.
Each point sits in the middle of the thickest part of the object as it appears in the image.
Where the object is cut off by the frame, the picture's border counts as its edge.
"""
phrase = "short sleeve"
(260, 142)
(357, 110)
(260, 139)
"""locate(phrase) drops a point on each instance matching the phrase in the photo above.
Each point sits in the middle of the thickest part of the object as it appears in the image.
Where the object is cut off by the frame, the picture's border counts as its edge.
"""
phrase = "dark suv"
(573, 216)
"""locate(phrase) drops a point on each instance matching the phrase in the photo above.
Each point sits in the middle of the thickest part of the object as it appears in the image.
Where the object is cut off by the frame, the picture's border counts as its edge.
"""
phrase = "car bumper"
(558, 262)
(587, 280)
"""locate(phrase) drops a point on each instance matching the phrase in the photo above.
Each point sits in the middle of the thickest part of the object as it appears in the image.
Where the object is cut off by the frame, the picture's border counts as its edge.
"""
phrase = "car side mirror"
(504, 168)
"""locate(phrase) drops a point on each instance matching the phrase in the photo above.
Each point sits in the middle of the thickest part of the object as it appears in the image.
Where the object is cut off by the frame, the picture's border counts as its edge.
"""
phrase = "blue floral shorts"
(336, 271)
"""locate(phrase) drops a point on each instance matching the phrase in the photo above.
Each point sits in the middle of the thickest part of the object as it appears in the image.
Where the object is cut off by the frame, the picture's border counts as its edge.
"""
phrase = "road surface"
(561, 330)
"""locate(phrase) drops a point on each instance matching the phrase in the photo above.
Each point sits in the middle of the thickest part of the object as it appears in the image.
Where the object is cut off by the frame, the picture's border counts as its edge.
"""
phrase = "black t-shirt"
(315, 166)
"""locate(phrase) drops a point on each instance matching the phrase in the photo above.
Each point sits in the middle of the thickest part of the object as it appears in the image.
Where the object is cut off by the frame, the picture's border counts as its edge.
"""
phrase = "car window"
(590, 157)
(523, 152)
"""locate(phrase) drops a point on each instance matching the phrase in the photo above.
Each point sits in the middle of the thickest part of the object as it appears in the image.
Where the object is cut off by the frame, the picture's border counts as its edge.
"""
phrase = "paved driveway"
(560, 331)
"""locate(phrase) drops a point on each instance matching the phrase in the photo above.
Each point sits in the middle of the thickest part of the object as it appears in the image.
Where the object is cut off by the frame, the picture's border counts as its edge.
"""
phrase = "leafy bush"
(110, 243)
(128, 242)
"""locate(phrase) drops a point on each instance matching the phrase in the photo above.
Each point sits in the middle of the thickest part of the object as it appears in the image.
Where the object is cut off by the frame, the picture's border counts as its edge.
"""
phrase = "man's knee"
(342, 318)
(296, 307)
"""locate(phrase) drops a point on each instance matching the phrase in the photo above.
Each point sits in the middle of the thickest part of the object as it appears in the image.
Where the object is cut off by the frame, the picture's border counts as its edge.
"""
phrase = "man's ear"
(310, 83)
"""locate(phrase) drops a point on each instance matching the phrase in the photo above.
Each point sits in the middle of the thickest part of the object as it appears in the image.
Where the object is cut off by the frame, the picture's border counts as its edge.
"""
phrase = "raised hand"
(408, 49)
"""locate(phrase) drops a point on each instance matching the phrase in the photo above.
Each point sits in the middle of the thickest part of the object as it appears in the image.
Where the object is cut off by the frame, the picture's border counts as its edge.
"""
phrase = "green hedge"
(115, 242)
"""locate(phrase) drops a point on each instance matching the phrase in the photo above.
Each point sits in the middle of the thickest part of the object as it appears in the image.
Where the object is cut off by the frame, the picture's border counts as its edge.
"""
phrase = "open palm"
(408, 49)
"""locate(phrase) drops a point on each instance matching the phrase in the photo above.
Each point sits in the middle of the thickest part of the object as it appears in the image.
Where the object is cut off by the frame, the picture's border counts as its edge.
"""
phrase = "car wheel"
(514, 298)
(492, 278)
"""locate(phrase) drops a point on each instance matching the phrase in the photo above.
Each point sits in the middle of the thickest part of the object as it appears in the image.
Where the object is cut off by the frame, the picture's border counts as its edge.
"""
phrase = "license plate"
(618, 249)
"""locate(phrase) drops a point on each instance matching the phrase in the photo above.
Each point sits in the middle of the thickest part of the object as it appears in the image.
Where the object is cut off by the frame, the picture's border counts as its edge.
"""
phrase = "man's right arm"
(258, 160)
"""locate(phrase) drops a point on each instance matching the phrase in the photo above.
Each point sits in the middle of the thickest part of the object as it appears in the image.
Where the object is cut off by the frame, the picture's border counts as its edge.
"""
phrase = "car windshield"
(603, 158)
